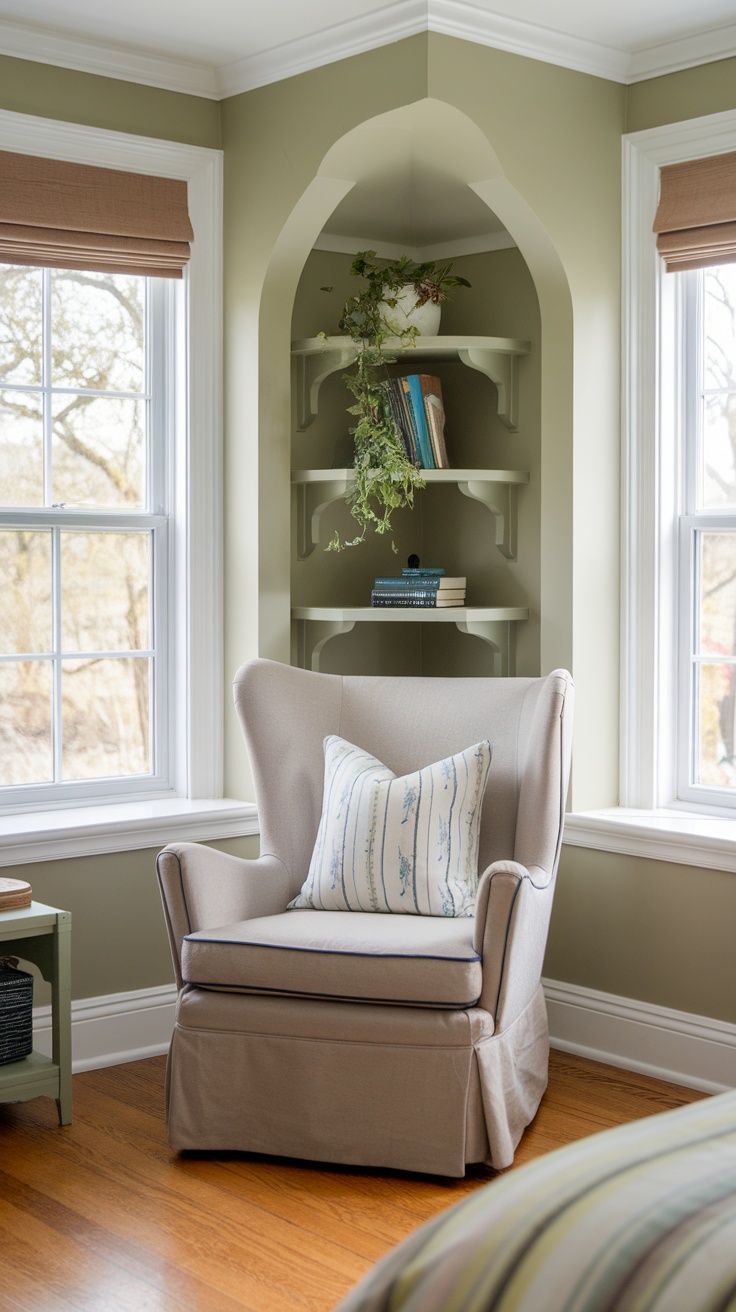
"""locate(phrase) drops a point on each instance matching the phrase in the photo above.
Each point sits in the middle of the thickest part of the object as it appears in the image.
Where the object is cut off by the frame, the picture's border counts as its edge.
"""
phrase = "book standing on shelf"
(419, 414)
(434, 410)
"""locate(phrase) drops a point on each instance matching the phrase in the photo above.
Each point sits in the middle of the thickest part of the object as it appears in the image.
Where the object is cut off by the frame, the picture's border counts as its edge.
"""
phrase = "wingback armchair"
(418, 1042)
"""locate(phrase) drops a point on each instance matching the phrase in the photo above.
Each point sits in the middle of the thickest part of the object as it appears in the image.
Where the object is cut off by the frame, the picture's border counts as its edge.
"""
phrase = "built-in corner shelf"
(317, 625)
(496, 357)
(317, 489)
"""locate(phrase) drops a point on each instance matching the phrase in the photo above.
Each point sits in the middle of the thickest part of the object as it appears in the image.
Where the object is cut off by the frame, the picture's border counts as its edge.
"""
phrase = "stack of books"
(419, 587)
(419, 414)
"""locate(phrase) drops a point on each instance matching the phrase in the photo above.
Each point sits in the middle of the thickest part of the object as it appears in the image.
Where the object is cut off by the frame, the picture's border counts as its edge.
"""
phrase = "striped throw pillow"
(398, 845)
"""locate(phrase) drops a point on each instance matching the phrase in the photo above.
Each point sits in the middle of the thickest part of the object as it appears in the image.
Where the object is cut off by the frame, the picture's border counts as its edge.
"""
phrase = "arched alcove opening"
(424, 180)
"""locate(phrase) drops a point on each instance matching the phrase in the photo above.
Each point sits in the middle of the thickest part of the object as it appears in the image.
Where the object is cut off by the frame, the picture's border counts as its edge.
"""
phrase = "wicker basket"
(16, 1012)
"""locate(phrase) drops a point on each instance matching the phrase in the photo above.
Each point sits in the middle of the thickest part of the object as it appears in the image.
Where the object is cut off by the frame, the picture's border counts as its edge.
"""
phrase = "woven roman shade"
(695, 221)
(76, 216)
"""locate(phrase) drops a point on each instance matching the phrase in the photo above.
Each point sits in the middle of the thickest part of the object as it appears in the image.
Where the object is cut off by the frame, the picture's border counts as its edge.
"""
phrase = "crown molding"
(462, 19)
(82, 55)
(673, 56)
(383, 27)
(469, 22)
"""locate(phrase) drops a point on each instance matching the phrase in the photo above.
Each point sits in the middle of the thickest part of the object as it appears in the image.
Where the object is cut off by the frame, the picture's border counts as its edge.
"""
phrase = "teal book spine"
(398, 584)
(424, 440)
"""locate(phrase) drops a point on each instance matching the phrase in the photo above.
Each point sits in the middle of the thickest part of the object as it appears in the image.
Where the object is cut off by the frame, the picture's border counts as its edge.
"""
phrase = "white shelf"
(317, 625)
(496, 357)
(317, 489)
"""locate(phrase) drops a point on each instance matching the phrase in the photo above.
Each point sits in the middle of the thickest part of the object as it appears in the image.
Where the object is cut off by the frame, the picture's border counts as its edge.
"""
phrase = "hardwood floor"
(102, 1216)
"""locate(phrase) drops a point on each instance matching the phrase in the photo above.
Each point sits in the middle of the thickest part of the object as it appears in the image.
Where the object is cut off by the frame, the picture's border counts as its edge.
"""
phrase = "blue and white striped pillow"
(401, 845)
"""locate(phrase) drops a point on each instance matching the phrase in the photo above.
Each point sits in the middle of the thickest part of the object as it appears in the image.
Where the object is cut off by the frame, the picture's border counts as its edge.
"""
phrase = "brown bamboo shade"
(695, 221)
(76, 216)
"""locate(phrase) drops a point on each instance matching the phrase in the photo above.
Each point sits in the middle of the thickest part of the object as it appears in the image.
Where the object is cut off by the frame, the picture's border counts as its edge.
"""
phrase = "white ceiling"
(219, 47)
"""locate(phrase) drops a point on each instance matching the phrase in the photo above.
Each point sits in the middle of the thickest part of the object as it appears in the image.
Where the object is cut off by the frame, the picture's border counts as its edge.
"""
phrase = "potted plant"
(376, 317)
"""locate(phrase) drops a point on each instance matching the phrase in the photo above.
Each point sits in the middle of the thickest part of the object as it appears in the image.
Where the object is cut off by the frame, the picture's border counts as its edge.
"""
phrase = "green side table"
(43, 936)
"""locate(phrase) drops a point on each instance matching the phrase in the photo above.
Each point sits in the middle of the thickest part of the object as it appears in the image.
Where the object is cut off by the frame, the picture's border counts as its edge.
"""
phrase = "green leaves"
(385, 479)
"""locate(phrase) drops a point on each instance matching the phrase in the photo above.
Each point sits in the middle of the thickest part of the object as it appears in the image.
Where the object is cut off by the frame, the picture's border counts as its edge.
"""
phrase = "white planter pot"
(406, 313)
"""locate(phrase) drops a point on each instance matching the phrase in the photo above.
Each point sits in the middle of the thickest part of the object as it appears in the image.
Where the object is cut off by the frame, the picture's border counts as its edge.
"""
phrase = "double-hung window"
(706, 711)
(85, 401)
(111, 682)
(678, 687)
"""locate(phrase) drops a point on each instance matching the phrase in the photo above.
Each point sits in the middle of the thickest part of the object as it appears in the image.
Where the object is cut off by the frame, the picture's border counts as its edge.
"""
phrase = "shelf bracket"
(501, 500)
(311, 371)
(500, 637)
(501, 368)
(312, 499)
(312, 636)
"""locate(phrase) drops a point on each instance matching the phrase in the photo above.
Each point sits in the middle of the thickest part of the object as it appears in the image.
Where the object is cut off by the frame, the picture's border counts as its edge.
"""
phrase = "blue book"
(431, 572)
(417, 583)
(413, 388)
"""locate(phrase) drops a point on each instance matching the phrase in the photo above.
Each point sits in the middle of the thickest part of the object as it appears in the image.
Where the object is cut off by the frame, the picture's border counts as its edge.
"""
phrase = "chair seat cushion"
(426, 961)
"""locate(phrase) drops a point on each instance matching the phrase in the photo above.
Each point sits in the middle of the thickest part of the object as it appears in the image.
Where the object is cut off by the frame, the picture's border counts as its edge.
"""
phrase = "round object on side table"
(14, 894)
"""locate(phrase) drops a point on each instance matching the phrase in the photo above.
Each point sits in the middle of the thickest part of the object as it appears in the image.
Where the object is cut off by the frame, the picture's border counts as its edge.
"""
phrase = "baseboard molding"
(670, 1045)
(109, 1030)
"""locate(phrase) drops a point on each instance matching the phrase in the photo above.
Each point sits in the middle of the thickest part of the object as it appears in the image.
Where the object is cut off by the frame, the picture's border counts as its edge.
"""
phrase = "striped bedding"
(637, 1219)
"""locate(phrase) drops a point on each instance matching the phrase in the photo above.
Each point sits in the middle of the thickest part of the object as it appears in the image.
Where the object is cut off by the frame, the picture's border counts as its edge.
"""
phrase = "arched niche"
(446, 144)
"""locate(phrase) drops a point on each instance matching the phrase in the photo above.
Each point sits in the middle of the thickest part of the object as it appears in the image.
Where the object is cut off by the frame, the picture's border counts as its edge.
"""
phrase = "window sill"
(121, 827)
(664, 835)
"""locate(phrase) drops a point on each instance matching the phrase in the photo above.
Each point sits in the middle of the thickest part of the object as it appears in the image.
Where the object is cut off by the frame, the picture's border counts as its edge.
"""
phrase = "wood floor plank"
(102, 1216)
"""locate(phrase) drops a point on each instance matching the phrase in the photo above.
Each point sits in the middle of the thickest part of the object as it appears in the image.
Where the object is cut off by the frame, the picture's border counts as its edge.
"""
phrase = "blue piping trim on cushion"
(333, 952)
(328, 997)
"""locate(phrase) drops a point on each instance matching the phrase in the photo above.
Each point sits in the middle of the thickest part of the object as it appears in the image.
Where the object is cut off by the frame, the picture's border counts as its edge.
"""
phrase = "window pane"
(718, 456)
(718, 480)
(106, 711)
(98, 452)
(716, 764)
(21, 449)
(20, 324)
(25, 592)
(97, 331)
(717, 620)
(105, 589)
(26, 755)
(719, 326)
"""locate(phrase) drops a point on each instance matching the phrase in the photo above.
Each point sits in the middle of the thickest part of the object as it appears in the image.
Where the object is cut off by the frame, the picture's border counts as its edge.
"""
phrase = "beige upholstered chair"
(408, 1041)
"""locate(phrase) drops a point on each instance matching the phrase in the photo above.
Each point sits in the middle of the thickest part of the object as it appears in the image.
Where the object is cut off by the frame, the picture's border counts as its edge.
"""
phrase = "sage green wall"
(106, 102)
(118, 936)
(652, 930)
(708, 89)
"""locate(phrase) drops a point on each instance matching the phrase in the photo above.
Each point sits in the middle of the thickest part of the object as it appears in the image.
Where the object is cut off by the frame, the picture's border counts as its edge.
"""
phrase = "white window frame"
(152, 518)
(650, 821)
(192, 806)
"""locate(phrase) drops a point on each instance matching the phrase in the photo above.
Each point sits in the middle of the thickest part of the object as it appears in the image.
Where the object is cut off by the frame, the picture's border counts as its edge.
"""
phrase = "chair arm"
(513, 909)
(202, 887)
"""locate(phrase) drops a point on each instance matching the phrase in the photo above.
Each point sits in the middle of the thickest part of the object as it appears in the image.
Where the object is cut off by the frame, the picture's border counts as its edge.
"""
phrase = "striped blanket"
(637, 1219)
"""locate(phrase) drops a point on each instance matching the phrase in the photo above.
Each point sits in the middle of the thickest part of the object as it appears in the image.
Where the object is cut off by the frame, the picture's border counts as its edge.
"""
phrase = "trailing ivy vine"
(385, 478)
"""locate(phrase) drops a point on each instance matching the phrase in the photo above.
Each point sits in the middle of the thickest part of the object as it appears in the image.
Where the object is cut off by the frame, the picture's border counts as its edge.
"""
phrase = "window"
(185, 799)
(85, 605)
(707, 537)
(679, 520)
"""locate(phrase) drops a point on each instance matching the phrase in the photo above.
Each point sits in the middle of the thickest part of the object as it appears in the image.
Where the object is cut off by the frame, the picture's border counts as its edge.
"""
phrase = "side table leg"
(61, 1014)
